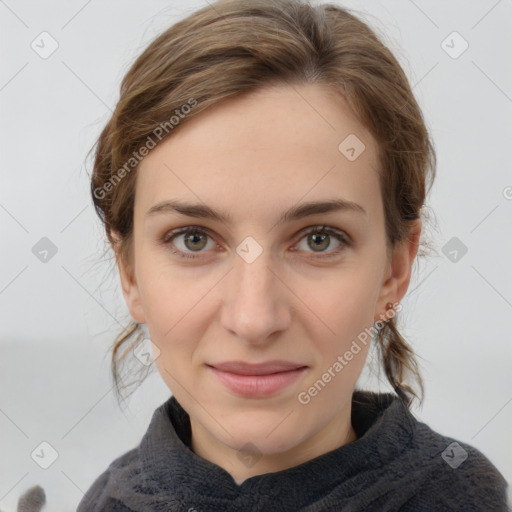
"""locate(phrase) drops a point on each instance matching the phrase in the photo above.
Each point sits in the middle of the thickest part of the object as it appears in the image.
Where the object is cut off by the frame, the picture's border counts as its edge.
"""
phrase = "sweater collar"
(383, 424)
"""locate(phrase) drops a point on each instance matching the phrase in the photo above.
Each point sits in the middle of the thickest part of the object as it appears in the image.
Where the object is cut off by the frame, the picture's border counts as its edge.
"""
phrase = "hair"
(234, 46)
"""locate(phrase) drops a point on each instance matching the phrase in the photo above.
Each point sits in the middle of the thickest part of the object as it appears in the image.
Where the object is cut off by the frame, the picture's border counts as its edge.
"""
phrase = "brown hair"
(236, 46)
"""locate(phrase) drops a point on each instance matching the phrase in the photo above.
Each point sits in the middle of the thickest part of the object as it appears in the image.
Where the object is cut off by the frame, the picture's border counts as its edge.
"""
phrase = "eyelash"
(339, 235)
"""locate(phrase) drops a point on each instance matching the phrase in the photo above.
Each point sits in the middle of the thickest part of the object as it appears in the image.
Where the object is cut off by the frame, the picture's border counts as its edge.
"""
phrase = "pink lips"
(257, 380)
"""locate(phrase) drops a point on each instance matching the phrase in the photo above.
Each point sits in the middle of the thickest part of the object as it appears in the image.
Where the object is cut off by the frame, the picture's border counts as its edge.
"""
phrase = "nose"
(256, 305)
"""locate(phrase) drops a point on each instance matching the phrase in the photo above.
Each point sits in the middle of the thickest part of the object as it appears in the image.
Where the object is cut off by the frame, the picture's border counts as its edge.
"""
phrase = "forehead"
(258, 153)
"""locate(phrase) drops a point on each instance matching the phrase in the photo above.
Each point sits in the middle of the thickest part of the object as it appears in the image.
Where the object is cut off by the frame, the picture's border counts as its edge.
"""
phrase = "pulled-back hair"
(236, 46)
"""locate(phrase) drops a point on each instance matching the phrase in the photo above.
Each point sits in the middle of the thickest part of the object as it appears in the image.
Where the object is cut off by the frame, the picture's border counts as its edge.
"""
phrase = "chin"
(269, 435)
(260, 444)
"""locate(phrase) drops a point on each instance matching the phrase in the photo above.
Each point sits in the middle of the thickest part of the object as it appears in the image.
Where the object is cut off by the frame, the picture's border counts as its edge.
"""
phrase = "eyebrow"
(296, 212)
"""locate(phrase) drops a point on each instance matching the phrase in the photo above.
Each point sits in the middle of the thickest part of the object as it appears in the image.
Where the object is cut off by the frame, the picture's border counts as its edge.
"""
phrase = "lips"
(257, 380)
(243, 368)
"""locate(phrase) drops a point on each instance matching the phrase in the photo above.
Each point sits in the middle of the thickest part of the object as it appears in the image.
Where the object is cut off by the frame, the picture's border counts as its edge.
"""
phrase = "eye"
(195, 239)
(320, 238)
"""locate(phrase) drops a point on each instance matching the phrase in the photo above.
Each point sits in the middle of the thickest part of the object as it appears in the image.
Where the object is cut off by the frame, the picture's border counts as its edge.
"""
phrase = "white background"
(60, 317)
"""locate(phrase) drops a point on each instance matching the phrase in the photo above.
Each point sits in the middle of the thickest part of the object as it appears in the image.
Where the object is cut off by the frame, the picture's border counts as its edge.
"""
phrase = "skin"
(253, 157)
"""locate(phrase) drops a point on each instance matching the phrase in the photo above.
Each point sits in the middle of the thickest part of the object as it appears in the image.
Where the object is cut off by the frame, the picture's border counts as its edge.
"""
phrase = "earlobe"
(398, 270)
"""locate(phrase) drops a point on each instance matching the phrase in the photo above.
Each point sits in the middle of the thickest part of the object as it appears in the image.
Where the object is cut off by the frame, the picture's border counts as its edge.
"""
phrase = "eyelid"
(321, 228)
(341, 236)
(179, 231)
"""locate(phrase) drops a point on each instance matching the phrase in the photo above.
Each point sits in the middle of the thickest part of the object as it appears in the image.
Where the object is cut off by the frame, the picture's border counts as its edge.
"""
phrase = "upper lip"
(243, 368)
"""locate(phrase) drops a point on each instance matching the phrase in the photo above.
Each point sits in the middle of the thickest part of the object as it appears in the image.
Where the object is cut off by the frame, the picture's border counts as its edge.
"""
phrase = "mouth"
(257, 380)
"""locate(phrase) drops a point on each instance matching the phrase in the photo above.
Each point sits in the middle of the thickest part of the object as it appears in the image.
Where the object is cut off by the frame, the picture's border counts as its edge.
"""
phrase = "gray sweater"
(396, 464)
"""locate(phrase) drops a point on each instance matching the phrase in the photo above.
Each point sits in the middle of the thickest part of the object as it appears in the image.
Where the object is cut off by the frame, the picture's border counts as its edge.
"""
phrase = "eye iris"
(192, 237)
(318, 240)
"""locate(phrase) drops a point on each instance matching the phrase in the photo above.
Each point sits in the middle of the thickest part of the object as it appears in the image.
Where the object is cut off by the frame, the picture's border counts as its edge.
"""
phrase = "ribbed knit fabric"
(396, 464)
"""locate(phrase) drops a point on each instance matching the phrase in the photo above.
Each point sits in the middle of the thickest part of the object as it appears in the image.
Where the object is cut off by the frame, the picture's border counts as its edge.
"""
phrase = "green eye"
(195, 239)
(320, 238)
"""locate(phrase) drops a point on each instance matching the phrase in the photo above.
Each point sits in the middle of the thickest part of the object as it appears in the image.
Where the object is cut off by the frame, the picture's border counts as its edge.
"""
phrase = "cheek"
(342, 341)
(342, 325)
(343, 302)
(172, 305)
(166, 291)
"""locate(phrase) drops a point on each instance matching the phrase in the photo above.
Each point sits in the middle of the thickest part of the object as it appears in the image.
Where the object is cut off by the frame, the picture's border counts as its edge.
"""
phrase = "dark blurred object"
(33, 500)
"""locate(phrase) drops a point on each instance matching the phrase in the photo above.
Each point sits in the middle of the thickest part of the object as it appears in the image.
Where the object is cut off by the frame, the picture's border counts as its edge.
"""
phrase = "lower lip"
(258, 385)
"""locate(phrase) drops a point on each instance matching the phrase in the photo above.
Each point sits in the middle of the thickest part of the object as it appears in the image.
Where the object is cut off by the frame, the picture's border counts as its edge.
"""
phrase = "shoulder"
(452, 475)
(101, 494)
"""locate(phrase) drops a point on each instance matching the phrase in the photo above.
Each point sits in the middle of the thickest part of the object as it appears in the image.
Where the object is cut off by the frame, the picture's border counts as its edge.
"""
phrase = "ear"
(398, 270)
(129, 286)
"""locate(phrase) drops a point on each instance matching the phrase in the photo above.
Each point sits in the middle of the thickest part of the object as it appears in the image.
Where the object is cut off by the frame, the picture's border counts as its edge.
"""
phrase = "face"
(253, 286)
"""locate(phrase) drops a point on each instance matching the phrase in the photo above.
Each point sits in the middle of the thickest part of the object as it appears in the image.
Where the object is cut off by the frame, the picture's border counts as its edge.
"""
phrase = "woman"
(261, 182)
